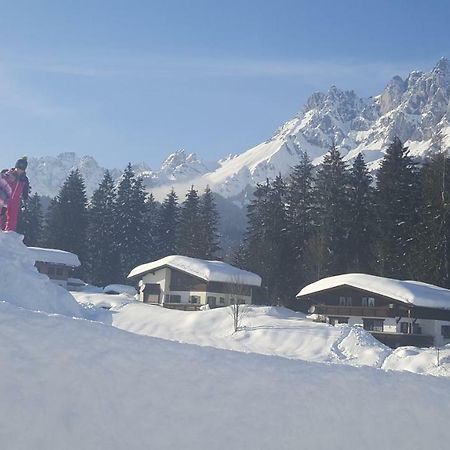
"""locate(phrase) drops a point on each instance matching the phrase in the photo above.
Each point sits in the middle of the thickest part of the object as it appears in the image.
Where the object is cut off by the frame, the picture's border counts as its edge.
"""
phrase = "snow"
(273, 331)
(22, 285)
(217, 271)
(51, 255)
(410, 292)
(76, 384)
(119, 289)
(71, 383)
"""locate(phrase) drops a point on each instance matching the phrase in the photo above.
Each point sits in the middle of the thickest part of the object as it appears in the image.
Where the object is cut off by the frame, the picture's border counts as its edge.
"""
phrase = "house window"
(194, 299)
(222, 301)
(445, 331)
(404, 327)
(174, 298)
(368, 302)
(373, 324)
(345, 301)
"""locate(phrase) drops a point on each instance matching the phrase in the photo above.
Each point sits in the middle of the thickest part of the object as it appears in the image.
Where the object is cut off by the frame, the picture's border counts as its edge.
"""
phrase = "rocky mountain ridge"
(416, 109)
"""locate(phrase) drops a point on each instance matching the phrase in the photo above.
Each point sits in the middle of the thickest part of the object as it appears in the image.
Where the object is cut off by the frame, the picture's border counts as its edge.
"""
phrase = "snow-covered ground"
(70, 383)
(268, 331)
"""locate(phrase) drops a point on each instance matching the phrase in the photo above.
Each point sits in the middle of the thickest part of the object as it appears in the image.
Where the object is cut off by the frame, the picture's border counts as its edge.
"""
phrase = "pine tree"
(332, 215)
(266, 244)
(209, 223)
(103, 262)
(362, 225)
(397, 201)
(66, 220)
(167, 224)
(300, 206)
(189, 232)
(31, 221)
(434, 228)
(130, 228)
(151, 227)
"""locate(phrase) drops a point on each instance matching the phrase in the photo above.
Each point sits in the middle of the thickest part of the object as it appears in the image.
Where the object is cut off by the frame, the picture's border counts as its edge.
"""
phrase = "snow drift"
(22, 285)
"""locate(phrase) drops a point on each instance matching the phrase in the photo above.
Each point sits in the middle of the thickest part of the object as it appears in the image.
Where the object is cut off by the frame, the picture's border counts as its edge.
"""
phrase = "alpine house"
(181, 282)
(396, 312)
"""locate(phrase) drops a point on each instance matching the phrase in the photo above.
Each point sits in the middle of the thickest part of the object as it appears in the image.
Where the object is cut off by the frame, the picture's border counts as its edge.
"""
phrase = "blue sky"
(136, 80)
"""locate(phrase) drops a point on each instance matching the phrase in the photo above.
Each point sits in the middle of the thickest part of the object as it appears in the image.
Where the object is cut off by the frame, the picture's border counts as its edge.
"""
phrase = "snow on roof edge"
(414, 293)
(217, 271)
(55, 256)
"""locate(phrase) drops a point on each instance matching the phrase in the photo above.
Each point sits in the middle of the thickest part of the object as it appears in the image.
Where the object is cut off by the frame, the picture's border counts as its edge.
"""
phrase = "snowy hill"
(71, 383)
(416, 109)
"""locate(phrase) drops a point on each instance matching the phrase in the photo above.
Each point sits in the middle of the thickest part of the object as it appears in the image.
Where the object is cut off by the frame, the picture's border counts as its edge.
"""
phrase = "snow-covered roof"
(54, 256)
(206, 270)
(410, 292)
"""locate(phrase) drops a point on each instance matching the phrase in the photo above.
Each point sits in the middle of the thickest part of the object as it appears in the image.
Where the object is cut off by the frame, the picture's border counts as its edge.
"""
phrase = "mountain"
(416, 109)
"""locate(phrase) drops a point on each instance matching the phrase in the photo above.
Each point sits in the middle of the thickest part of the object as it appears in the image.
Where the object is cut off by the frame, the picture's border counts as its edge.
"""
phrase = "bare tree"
(238, 308)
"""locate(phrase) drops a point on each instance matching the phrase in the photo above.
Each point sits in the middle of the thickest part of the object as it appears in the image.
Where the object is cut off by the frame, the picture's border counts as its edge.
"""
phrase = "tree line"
(121, 226)
(337, 219)
(316, 222)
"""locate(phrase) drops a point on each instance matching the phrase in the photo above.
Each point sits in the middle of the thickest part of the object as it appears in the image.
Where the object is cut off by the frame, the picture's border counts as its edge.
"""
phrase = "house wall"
(430, 320)
(58, 273)
(173, 282)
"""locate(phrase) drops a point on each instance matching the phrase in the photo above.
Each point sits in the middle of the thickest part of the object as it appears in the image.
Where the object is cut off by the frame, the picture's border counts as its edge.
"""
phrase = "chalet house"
(396, 312)
(58, 265)
(180, 282)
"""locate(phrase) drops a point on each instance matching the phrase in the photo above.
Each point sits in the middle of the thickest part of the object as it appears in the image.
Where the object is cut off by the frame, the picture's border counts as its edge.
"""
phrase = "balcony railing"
(362, 311)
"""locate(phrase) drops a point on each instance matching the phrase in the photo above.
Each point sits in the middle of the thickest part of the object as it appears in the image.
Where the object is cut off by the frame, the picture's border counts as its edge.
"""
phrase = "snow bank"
(266, 330)
(74, 384)
(119, 289)
(22, 285)
(206, 270)
(412, 292)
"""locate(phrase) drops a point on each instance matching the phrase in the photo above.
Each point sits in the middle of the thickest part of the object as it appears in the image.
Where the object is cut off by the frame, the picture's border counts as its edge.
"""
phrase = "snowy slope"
(266, 330)
(74, 384)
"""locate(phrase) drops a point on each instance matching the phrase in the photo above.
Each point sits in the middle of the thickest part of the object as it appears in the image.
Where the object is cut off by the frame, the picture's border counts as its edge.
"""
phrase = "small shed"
(58, 265)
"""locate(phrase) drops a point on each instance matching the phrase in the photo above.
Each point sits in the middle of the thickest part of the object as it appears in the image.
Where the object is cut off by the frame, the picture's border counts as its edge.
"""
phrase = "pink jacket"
(19, 187)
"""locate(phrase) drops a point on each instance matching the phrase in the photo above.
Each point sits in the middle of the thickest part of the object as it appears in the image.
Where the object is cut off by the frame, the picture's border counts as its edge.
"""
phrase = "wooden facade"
(391, 321)
(57, 272)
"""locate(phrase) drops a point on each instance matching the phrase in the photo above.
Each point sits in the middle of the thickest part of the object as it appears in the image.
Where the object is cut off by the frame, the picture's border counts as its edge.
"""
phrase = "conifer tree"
(362, 224)
(189, 232)
(300, 207)
(103, 262)
(434, 239)
(266, 243)
(130, 228)
(209, 223)
(167, 225)
(31, 221)
(66, 220)
(332, 214)
(151, 227)
(397, 199)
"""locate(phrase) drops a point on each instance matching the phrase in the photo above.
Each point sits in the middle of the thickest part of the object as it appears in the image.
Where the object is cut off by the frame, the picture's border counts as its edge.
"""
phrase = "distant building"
(181, 282)
(58, 265)
(396, 312)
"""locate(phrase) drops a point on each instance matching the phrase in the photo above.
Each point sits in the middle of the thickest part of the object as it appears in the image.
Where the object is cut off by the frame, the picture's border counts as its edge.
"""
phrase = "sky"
(137, 80)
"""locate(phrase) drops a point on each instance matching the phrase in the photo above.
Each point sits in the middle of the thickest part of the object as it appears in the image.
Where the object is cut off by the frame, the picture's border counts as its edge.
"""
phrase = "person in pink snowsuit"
(19, 186)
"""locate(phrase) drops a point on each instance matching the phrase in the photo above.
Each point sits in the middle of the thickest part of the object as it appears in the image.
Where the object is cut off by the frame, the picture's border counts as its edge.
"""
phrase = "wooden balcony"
(362, 311)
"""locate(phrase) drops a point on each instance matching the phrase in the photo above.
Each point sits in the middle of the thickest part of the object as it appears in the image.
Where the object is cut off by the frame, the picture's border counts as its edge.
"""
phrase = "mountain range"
(416, 109)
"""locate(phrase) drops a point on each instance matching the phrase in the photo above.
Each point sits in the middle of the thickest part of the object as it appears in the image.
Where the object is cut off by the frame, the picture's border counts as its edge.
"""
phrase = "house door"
(152, 293)
(212, 302)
